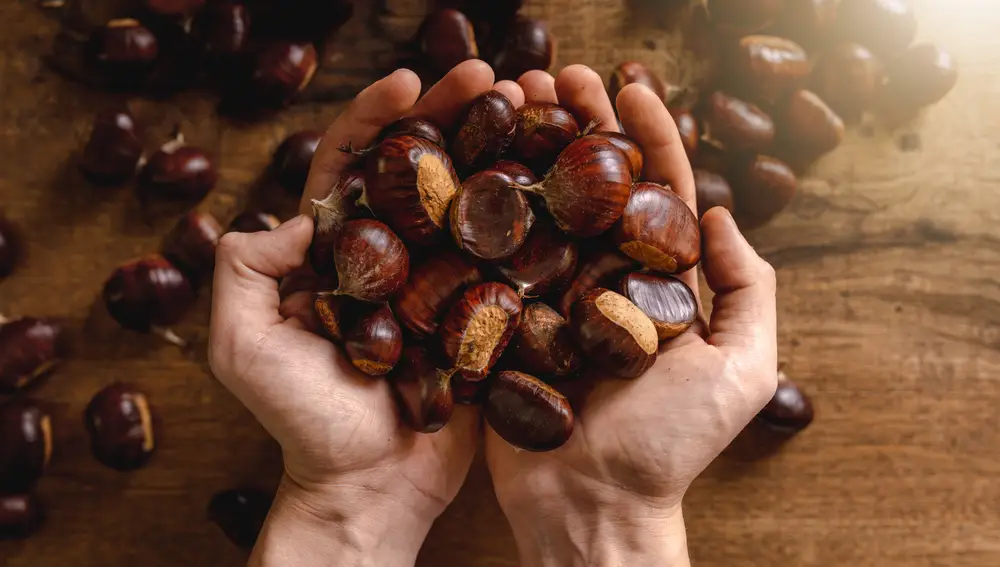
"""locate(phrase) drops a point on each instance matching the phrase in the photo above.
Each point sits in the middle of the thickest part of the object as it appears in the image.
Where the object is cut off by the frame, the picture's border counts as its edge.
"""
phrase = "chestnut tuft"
(375, 342)
(542, 344)
(113, 152)
(254, 221)
(178, 172)
(687, 127)
(790, 409)
(770, 67)
(417, 127)
(762, 188)
(477, 328)
(124, 51)
(631, 72)
(613, 333)
(601, 268)
(446, 39)
(490, 220)
(191, 244)
(149, 294)
(518, 172)
(528, 413)
(528, 46)
(712, 190)
(372, 262)
(486, 130)
(433, 286)
(847, 78)
(293, 158)
(631, 149)
(659, 230)
(338, 314)
(225, 27)
(737, 125)
(30, 348)
(886, 27)
(921, 76)
(119, 421)
(543, 131)
(283, 69)
(240, 514)
(409, 185)
(743, 16)
(808, 127)
(26, 447)
(423, 391)
(10, 249)
(668, 302)
(545, 262)
(330, 214)
(178, 8)
(20, 516)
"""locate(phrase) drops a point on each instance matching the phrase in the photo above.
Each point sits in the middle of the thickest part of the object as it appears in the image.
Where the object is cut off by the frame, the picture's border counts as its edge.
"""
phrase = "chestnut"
(119, 422)
(469, 393)
(737, 125)
(712, 190)
(847, 78)
(542, 344)
(631, 149)
(191, 244)
(790, 409)
(543, 131)
(921, 76)
(477, 328)
(418, 127)
(372, 262)
(433, 286)
(528, 45)
(744, 16)
(293, 158)
(601, 268)
(375, 342)
(668, 302)
(240, 514)
(489, 219)
(30, 348)
(762, 187)
(225, 27)
(518, 172)
(338, 314)
(528, 413)
(447, 39)
(178, 8)
(26, 431)
(808, 127)
(886, 27)
(254, 221)
(588, 187)
(124, 51)
(659, 230)
(409, 185)
(486, 130)
(423, 391)
(10, 248)
(613, 333)
(545, 262)
(20, 516)
(178, 172)
(149, 294)
(687, 127)
(630, 72)
(113, 152)
(283, 69)
(770, 67)
(329, 216)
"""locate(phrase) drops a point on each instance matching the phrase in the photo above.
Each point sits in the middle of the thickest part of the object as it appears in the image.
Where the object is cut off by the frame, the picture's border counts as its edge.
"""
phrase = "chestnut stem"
(593, 125)
(175, 143)
(170, 336)
(349, 149)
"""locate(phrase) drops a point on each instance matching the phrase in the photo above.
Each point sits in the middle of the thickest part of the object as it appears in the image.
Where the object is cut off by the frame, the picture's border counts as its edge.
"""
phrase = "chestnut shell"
(240, 514)
(375, 342)
(546, 261)
(737, 125)
(790, 409)
(486, 130)
(770, 67)
(601, 267)
(148, 292)
(631, 150)
(478, 327)
(372, 262)
(629, 72)
(668, 302)
(329, 216)
(417, 127)
(26, 447)
(433, 286)
(178, 172)
(886, 27)
(528, 413)
(543, 131)
(30, 348)
(808, 127)
(712, 190)
(490, 219)
(542, 344)
(283, 69)
(516, 171)
(119, 421)
(659, 230)
(921, 76)
(613, 333)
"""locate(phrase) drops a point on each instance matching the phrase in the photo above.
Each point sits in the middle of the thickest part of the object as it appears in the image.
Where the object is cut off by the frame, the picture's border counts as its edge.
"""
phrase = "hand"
(612, 495)
(358, 485)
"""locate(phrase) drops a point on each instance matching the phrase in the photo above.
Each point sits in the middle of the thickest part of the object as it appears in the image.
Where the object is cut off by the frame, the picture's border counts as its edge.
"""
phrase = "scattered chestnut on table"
(10, 249)
(240, 514)
(529, 45)
(920, 76)
(372, 262)
(886, 27)
(762, 187)
(543, 131)
(114, 150)
(659, 230)
(178, 172)
(489, 219)
(124, 51)
(542, 344)
(26, 447)
(446, 39)
(254, 221)
(613, 333)
(629, 72)
(478, 327)
(282, 70)
(191, 244)
(422, 390)
(20, 516)
(668, 302)
(225, 28)
(293, 159)
(790, 409)
(528, 413)
(769, 67)
(149, 294)
(119, 421)
(847, 78)
(808, 127)
(30, 348)
(374, 343)
(712, 190)
(486, 130)
(736, 124)
(544, 263)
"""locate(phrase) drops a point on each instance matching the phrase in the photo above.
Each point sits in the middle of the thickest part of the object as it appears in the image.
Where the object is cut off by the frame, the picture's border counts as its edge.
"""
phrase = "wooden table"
(889, 308)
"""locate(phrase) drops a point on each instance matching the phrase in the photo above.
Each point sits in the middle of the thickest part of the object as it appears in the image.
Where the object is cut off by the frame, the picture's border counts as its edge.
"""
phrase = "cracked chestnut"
(847, 78)
(293, 158)
(762, 188)
(240, 514)
(613, 333)
(486, 130)
(736, 124)
(528, 413)
(20, 516)
(770, 67)
(490, 220)
(433, 286)
(712, 190)
(372, 262)
(628, 146)
(149, 294)
(447, 39)
(478, 327)
(668, 302)
(375, 342)
(26, 447)
(659, 230)
(921, 76)
(601, 268)
(630, 72)
(790, 409)
(886, 27)
(546, 261)
(329, 216)
(528, 46)
(543, 345)
(30, 349)
(178, 171)
(543, 131)
(423, 391)
(191, 244)
(113, 152)
(119, 421)
(254, 221)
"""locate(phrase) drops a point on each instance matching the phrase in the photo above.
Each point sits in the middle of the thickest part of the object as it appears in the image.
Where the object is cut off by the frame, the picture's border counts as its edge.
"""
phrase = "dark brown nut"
(659, 230)
(225, 27)
(177, 8)
(613, 333)
(124, 51)
(486, 131)
(668, 302)
(283, 69)
(240, 514)
(490, 219)
(737, 125)
(372, 262)
(808, 127)
(469, 393)
(809, 23)
(30, 348)
(712, 157)
(628, 146)
(543, 345)
(10, 247)
(375, 342)
(770, 67)
(112, 154)
(149, 294)
(543, 131)
(744, 16)
(631, 72)
(687, 127)
(25, 444)
(447, 39)
(847, 78)
(529, 45)
(478, 327)
(886, 27)
(418, 127)
(546, 261)
(338, 314)
(293, 158)
(254, 221)
(712, 190)
(921, 76)
(528, 413)
(518, 172)
(790, 410)
(423, 391)
(20, 516)
(600, 268)
(762, 188)
(330, 215)
(433, 286)
(191, 244)
(119, 421)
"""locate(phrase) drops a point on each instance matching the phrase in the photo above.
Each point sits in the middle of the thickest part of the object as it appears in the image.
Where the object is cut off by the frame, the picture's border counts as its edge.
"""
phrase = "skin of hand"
(612, 495)
(358, 484)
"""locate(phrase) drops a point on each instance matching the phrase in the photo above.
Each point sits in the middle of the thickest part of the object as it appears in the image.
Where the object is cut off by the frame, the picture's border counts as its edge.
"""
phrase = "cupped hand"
(612, 495)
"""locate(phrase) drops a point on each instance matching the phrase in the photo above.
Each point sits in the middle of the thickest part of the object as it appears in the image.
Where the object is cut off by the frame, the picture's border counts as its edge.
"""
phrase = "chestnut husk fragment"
(375, 342)
(433, 286)
(30, 348)
(114, 150)
(447, 38)
(372, 262)
(762, 187)
(20, 516)
(600, 268)
(423, 391)
(191, 244)
(240, 514)
(254, 221)
(790, 409)
(712, 190)
(886, 27)
(920, 76)
(770, 67)
(668, 302)
(490, 220)
(148, 294)
(737, 125)
(659, 230)
(485, 132)
(542, 344)
(543, 131)
(628, 146)
(417, 127)
(178, 171)
(528, 413)
(293, 159)
(528, 46)
(613, 333)
(26, 447)
(478, 327)
(329, 216)
(544, 263)
(848, 78)
(119, 421)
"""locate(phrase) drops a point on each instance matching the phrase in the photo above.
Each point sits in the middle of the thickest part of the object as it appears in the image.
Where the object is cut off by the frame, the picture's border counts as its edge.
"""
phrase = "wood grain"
(889, 308)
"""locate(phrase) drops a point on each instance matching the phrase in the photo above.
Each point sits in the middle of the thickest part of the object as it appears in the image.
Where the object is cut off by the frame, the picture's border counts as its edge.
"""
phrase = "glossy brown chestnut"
(283, 70)
(372, 262)
(26, 431)
(10, 249)
(409, 185)
(330, 214)
(478, 327)
(469, 393)
(659, 230)
(631, 149)
(433, 286)
(149, 294)
(921, 76)
(225, 27)
(668, 302)
(339, 314)
(762, 188)
(687, 127)
(423, 391)
(542, 344)
(847, 78)
(254, 221)
(886, 27)
(600, 268)
(546, 261)
(790, 410)
(770, 67)
(486, 131)
(191, 244)
(613, 333)
(447, 39)
(736, 124)
(529, 45)
(293, 158)
(30, 348)
(375, 342)
(417, 127)
(518, 172)
(631, 72)
(178, 172)
(240, 514)
(543, 131)
(587, 189)
(490, 220)
(712, 190)
(112, 154)
(808, 127)
(20, 516)
(124, 51)
(528, 413)
(119, 421)
(744, 16)
(174, 7)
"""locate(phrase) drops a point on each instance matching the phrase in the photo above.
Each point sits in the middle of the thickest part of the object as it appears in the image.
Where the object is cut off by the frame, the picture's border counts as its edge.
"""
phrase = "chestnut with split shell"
(20, 516)
(712, 190)
(762, 187)
(770, 67)
(659, 230)
(372, 262)
(613, 333)
(848, 78)
(433, 286)
(543, 131)
(529, 45)
(149, 294)
(375, 342)
(293, 158)
(486, 130)
(790, 409)
(490, 220)
(26, 446)
(478, 327)
(119, 421)
(528, 413)
(542, 344)
(30, 349)
(329, 216)
(545, 263)
(737, 125)
(178, 171)
(668, 302)
(446, 38)
(627, 145)
(191, 244)
(240, 514)
(114, 150)
(600, 268)
(423, 391)
(254, 221)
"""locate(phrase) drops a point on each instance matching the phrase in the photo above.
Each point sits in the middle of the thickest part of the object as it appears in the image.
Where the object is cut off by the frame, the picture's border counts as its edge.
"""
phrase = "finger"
(512, 91)
(373, 109)
(744, 316)
(580, 89)
(538, 86)
(445, 102)
(297, 310)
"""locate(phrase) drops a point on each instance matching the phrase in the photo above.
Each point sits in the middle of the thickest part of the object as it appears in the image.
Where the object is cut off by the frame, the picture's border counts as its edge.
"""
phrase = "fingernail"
(291, 223)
